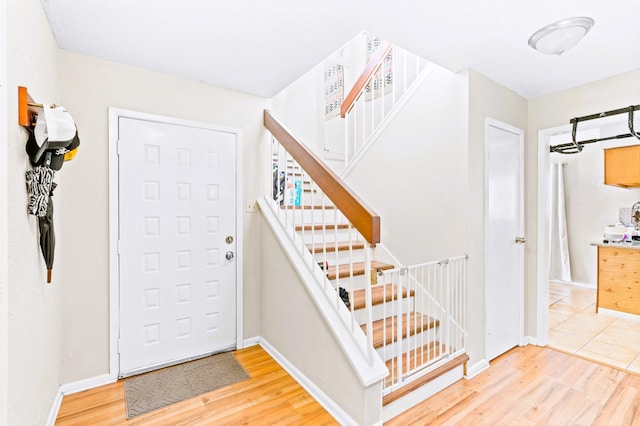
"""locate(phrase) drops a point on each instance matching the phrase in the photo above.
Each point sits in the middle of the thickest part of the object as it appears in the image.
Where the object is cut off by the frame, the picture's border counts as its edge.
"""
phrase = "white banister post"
(347, 119)
(368, 302)
(398, 352)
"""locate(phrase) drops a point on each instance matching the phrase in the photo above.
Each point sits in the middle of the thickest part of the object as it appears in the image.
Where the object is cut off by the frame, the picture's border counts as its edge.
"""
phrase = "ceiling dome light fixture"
(560, 36)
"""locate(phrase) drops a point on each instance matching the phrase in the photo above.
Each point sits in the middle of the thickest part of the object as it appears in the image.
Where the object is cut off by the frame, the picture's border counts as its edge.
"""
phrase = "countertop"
(632, 246)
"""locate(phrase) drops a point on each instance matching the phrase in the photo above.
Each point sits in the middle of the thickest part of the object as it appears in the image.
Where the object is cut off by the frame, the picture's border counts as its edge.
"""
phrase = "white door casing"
(177, 205)
(504, 223)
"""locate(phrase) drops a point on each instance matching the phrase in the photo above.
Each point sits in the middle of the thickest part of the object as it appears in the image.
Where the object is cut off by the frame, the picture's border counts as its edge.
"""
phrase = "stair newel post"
(324, 235)
(350, 286)
(337, 258)
(347, 121)
(444, 278)
(368, 302)
(399, 315)
(394, 76)
(303, 202)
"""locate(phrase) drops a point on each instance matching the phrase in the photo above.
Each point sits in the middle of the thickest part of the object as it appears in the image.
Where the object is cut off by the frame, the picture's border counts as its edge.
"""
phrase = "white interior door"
(177, 231)
(504, 281)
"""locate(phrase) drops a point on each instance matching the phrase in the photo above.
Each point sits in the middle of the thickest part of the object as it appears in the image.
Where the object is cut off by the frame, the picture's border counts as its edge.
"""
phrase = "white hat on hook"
(54, 127)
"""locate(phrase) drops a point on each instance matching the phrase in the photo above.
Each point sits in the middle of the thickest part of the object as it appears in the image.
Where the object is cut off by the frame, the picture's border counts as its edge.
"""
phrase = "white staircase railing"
(438, 302)
(386, 84)
(419, 309)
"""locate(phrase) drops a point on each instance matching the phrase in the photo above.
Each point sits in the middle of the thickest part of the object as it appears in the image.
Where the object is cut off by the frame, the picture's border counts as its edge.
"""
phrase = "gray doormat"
(160, 388)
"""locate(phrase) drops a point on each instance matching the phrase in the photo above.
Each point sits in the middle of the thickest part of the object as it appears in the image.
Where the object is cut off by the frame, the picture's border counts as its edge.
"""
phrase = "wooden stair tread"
(410, 387)
(320, 227)
(415, 358)
(331, 247)
(380, 293)
(343, 270)
(385, 331)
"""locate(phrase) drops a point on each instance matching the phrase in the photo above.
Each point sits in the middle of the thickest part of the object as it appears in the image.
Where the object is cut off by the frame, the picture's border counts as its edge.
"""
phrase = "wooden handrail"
(365, 220)
(372, 67)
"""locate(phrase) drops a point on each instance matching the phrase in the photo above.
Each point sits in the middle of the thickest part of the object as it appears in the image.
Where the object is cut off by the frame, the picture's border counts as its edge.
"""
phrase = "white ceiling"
(261, 46)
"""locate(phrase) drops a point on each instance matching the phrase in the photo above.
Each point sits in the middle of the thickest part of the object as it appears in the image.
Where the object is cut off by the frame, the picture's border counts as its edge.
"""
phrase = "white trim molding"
(4, 227)
(55, 408)
(323, 399)
(618, 314)
(86, 384)
(252, 341)
(75, 387)
(477, 368)
(114, 292)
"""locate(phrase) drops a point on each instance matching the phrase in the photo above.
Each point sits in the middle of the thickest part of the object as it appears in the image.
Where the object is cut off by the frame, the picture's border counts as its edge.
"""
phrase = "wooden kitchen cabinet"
(622, 166)
(619, 279)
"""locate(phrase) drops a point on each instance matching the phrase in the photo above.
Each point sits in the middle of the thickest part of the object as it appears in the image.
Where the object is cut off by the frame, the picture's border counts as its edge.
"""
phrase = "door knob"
(521, 240)
(229, 239)
(229, 255)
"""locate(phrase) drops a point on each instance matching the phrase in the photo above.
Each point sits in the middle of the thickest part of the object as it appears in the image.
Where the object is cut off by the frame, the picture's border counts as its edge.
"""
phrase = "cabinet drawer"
(619, 279)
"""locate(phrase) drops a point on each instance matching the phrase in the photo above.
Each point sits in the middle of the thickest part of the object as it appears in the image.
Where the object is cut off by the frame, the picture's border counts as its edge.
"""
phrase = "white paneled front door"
(177, 231)
(504, 245)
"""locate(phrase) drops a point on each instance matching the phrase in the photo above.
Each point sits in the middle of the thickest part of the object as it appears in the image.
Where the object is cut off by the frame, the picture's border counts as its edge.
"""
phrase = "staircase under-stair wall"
(408, 319)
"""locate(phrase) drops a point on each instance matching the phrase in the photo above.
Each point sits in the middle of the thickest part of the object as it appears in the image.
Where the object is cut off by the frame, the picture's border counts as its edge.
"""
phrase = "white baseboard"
(323, 399)
(74, 387)
(82, 385)
(477, 368)
(618, 314)
(252, 341)
(55, 407)
(417, 396)
(529, 340)
(575, 284)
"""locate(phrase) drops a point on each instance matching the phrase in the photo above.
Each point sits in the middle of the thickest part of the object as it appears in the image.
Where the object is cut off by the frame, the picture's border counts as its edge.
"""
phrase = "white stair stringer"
(417, 396)
(411, 90)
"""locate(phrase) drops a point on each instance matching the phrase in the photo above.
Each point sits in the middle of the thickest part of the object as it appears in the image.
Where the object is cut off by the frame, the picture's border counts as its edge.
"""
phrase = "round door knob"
(229, 255)
(229, 239)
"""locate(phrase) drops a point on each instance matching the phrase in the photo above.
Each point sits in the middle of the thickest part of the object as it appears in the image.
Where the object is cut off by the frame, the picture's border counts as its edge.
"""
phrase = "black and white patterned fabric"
(39, 187)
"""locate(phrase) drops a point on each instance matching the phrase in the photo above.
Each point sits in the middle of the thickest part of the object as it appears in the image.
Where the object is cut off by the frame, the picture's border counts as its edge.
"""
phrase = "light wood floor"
(525, 386)
(575, 327)
(269, 397)
(532, 385)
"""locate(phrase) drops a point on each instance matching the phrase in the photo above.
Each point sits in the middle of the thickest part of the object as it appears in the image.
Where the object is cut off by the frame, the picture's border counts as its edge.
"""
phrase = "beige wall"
(88, 87)
(34, 307)
(556, 110)
(415, 175)
(486, 99)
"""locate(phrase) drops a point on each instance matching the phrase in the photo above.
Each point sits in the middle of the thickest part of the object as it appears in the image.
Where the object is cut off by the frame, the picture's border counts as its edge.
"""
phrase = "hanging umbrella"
(47, 235)
(40, 187)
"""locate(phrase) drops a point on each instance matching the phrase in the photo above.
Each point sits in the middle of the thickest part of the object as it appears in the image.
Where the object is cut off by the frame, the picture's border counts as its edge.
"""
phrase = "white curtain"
(559, 263)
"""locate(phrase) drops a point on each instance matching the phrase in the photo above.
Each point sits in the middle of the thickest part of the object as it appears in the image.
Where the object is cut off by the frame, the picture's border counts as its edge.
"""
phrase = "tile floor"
(575, 327)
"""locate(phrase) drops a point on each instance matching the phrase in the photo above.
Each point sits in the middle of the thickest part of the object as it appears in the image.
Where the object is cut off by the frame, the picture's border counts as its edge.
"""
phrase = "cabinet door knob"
(521, 240)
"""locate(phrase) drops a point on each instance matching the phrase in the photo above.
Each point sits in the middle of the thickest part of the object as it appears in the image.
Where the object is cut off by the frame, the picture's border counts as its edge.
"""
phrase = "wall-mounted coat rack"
(27, 108)
(575, 147)
(53, 139)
